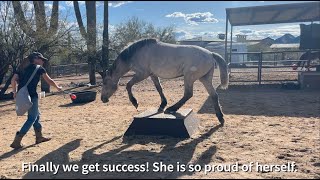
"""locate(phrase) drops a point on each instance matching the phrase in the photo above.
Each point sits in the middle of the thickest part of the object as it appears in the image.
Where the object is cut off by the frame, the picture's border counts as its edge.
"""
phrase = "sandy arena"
(269, 126)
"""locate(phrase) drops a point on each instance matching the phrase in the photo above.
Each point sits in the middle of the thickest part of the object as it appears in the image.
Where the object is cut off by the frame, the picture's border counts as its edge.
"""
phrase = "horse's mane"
(127, 53)
(130, 50)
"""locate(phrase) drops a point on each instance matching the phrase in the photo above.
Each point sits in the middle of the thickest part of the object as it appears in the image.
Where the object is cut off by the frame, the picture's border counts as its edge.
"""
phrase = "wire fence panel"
(269, 66)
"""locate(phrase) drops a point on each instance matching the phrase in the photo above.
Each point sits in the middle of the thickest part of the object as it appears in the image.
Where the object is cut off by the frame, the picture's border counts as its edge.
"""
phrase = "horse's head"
(108, 88)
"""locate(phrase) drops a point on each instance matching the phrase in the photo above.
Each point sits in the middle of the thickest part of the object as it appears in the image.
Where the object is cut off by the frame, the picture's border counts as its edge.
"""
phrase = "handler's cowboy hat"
(34, 55)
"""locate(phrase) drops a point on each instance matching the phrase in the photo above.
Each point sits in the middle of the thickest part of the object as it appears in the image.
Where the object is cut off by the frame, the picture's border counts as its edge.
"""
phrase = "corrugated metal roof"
(278, 46)
(273, 14)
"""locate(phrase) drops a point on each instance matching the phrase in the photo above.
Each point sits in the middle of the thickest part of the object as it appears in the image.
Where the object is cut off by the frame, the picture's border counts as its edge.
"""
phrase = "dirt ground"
(269, 126)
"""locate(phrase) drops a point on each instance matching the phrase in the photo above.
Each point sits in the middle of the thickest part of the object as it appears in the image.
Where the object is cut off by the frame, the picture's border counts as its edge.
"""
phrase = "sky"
(190, 18)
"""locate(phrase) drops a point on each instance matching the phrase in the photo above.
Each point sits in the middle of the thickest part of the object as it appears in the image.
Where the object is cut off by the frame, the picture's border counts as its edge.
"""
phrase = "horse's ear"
(105, 73)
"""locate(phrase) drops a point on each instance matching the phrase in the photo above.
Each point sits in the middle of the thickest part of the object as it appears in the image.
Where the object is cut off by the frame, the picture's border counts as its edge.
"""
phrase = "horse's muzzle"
(104, 100)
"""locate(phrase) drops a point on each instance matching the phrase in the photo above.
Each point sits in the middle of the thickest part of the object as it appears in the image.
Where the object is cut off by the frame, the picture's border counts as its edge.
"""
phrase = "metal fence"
(258, 67)
(69, 70)
(268, 66)
(73, 69)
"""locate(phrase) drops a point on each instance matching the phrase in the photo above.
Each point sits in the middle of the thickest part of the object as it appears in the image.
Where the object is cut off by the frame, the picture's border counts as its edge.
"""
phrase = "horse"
(156, 59)
(308, 56)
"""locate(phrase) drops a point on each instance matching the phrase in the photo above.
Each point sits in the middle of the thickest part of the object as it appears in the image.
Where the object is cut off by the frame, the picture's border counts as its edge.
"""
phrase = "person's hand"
(59, 88)
(14, 95)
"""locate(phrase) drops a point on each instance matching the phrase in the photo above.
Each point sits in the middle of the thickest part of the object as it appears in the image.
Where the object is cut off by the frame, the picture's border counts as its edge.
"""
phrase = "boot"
(39, 137)
(16, 144)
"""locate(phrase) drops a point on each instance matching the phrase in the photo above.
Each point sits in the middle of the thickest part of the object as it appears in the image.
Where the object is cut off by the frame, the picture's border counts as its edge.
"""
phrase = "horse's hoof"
(134, 103)
(169, 111)
(160, 109)
(220, 118)
(221, 121)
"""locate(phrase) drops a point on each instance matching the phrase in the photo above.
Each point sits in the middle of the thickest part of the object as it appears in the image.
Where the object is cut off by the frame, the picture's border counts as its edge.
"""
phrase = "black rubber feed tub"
(83, 96)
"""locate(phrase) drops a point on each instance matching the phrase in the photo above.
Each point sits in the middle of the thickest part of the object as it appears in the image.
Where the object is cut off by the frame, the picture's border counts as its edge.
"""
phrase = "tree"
(134, 29)
(105, 44)
(13, 44)
(43, 36)
(90, 35)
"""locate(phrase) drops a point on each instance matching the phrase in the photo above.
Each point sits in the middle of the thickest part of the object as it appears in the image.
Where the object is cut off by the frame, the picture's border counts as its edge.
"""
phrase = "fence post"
(260, 68)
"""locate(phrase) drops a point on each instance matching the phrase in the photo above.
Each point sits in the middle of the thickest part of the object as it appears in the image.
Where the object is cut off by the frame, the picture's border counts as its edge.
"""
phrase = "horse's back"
(170, 60)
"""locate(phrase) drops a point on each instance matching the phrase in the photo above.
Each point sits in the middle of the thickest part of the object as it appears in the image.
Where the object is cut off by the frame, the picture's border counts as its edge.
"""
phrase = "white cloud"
(274, 32)
(246, 31)
(270, 32)
(182, 34)
(194, 18)
(70, 3)
(118, 3)
(176, 14)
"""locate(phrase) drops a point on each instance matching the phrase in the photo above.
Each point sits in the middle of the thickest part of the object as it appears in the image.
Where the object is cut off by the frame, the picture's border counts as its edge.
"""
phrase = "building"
(285, 47)
(218, 45)
(237, 47)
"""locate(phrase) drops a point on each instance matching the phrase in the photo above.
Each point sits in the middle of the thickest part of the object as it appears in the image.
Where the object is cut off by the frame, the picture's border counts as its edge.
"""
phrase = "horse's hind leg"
(206, 80)
(188, 93)
(156, 82)
(136, 78)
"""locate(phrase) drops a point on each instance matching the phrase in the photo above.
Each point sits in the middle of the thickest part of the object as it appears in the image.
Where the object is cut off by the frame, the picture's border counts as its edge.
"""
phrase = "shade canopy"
(273, 14)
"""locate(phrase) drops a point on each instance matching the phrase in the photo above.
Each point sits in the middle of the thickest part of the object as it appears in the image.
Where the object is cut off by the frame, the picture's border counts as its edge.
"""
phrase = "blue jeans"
(33, 117)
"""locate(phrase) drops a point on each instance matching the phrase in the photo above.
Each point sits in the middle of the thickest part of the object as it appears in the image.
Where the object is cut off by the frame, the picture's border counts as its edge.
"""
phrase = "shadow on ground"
(267, 101)
(171, 153)
(73, 104)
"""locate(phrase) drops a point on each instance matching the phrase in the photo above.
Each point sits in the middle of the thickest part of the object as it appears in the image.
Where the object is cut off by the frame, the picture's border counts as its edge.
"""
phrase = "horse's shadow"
(57, 157)
(172, 152)
(265, 102)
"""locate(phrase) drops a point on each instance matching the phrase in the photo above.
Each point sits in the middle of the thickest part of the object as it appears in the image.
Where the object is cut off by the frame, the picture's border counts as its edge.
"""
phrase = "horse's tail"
(223, 67)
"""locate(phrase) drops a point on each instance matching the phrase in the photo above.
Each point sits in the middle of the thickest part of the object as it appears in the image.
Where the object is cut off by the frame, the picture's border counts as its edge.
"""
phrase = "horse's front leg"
(188, 93)
(156, 82)
(136, 78)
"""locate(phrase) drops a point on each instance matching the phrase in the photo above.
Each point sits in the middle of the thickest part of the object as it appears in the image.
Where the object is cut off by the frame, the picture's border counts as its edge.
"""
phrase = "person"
(21, 77)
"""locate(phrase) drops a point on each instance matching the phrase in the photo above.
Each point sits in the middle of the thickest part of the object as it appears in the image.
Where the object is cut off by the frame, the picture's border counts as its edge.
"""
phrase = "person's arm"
(14, 81)
(51, 82)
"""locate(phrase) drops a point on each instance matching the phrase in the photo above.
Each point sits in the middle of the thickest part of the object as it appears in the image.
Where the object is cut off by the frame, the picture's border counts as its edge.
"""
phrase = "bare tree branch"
(105, 44)
(40, 17)
(25, 26)
(79, 19)
(54, 19)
